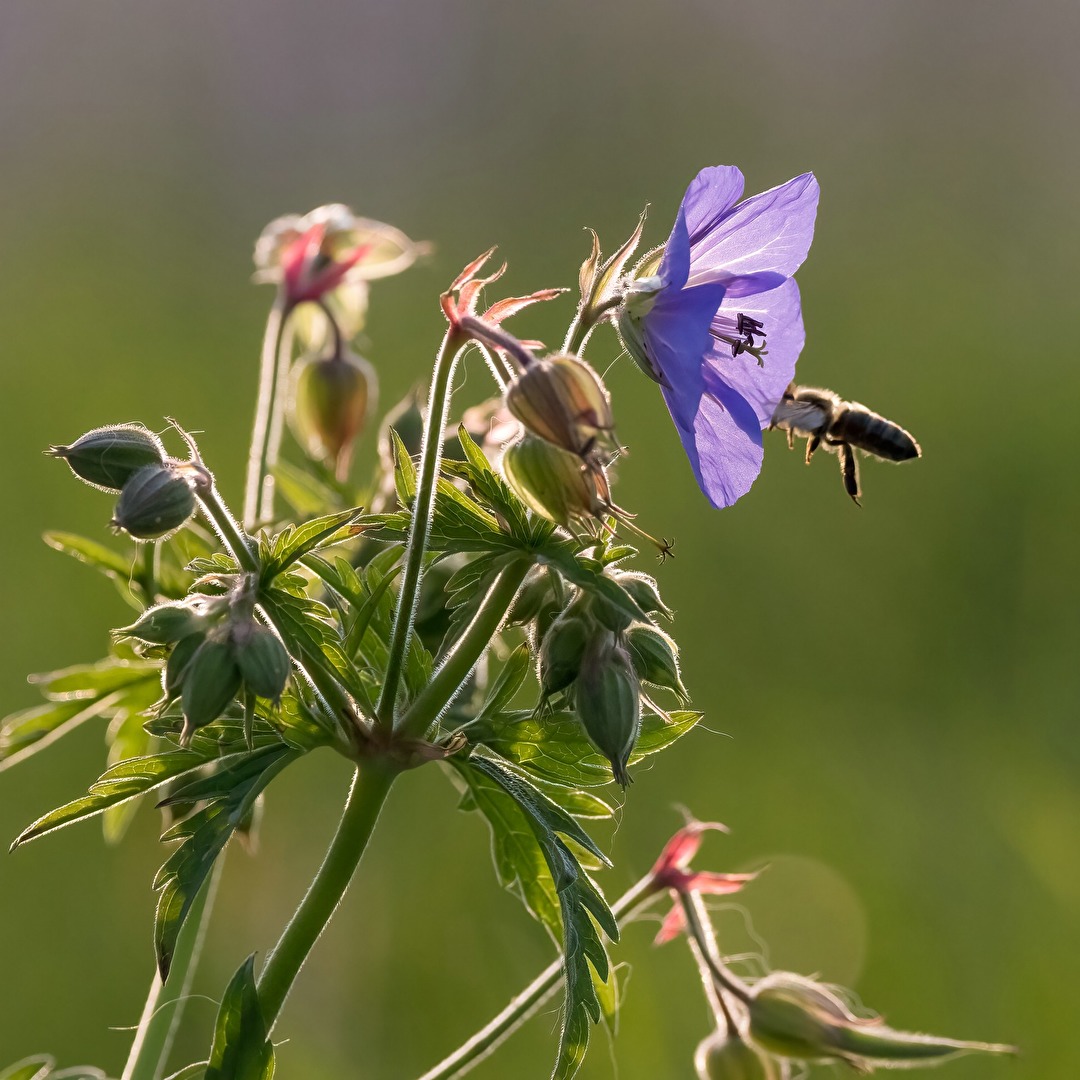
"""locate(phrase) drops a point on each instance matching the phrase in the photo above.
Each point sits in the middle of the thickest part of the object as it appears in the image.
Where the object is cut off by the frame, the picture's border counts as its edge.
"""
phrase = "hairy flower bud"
(644, 592)
(212, 679)
(156, 500)
(333, 396)
(656, 659)
(167, 623)
(727, 1057)
(561, 399)
(262, 659)
(108, 457)
(607, 696)
(552, 482)
(796, 1017)
(562, 650)
(533, 596)
(176, 667)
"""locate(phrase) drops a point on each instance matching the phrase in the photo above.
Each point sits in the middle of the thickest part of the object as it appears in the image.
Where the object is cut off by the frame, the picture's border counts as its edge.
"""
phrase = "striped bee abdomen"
(866, 430)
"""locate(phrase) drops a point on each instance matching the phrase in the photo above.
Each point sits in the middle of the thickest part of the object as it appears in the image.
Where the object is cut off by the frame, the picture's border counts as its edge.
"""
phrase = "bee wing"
(802, 417)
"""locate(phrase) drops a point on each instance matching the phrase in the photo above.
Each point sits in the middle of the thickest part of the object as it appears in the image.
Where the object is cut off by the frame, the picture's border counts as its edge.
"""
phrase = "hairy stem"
(525, 1004)
(699, 929)
(165, 1002)
(371, 784)
(265, 439)
(455, 669)
(420, 526)
(237, 543)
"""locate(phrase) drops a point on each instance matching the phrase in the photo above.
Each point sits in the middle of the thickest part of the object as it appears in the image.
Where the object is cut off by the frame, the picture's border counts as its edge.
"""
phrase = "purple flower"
(724, 328)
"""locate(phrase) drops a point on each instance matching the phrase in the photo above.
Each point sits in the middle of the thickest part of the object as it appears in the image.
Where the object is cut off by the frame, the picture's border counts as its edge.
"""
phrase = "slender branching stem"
(585, 321)
(699, 928)
(236, 541)
(420, 526)
(371, 784)
(273, 365)
(455, 669)
(626, 909)
(165, 1002)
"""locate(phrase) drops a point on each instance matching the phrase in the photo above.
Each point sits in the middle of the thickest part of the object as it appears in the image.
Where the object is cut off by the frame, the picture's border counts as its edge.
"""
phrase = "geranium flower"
(328, 256)
(719, 325)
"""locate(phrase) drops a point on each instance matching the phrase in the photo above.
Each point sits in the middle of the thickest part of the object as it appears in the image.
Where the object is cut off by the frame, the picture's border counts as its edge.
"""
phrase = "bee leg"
(790, 439)
(812, 443)
(849, 470)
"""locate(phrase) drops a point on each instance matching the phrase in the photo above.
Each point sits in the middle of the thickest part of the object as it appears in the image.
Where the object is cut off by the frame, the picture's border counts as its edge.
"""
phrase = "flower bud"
(107, 457)
(656, 659)
(643, 592)
(551, 481)
(262, 659)
(562, 650)
(561, 399)
(167, 623)
(531, 599)
(176, 667)
(332, 399)
(795, 1017)
(156, 500)
(608, 703)
(212, 679)
(727, 1057)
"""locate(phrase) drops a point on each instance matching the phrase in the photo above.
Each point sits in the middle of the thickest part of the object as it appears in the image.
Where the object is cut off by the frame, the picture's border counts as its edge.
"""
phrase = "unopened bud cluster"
(218, 648)
(157, 493)
(594, 658)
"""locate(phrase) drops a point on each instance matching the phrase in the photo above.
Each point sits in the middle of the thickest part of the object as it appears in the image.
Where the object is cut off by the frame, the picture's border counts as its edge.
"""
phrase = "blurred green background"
(890, 693)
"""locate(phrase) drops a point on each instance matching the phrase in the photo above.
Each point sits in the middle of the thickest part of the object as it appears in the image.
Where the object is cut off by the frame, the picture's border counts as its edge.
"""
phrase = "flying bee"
(822, 417)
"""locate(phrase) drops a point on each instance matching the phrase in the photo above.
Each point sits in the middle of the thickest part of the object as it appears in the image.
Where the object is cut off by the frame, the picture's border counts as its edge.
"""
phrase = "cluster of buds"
(595, 658)
(218, 648)
(157, 493)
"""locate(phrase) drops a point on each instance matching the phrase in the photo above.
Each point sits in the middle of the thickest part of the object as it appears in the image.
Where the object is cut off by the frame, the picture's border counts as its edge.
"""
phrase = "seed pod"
(552, 482)
(166, 624)
(727, 1057)
(562, 650)
(157, 500)
(108, 457)
(656, 659)
(263, 662)
(176, 667)
(607, 696)
(211, 681)
(333, 396)
(562, 400)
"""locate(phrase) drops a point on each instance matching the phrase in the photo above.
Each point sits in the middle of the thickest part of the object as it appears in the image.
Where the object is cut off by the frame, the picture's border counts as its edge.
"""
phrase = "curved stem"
(455, 669)
(420, 526)
(525, 1004)
(259, 488)
(700, 930)
(370, 786)
(165, 1002)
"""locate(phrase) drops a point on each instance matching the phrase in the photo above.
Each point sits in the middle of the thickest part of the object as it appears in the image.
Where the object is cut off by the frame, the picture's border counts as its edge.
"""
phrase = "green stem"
(525, 1004)
(237, 543)
(699, 929)
(370, 786)
(455, 669)
(585, 322)
(420, 526)
(165, 1002)
(259, 488)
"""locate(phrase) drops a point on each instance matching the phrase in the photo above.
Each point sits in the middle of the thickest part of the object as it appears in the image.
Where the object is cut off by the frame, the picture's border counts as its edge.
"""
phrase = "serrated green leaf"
(589, 574)
(202, 837)
(123, 781)
(305, 493)
(127, 739)
(195, 1071)
(241, 1049)
(90, 680)
(555, 749)
(296, 541)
